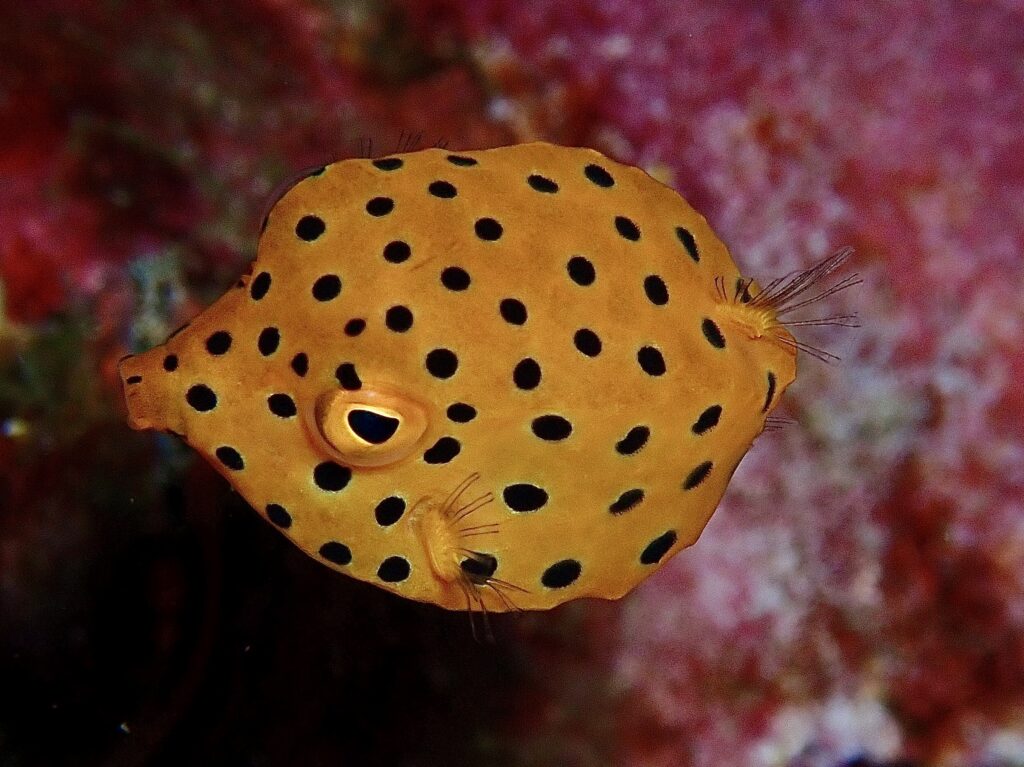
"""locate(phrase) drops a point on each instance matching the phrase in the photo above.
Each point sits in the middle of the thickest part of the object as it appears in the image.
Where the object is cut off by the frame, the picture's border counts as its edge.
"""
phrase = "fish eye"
(373, 426)
(367, 426)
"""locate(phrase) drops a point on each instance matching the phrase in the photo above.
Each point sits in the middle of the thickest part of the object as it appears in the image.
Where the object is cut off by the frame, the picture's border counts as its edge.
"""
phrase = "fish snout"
(143, 384)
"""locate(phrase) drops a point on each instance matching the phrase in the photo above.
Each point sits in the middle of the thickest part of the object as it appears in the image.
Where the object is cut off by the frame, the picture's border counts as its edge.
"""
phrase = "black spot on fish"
(269, 340)
(348, 377)
(260, 286)
(300, 364)
(455, 278)
(657, 292)
(488, 229)
(581, 271)
(561, 574)
(587, 342)
(331, 477)
(697, 476)
(230, 458)
(651, 361)
(658, 548)
(513, 311)
(398, 319)
(309, 228)
(393, 570)
(380, 206)
(442, 363)
(397, 251)
(279, 515)
(201, 398)
(388, 163)
(627, 228)
(460, 412)
(218, 343)
(526, 375)
(327, 287)
(552, 428)
(523, 497)
(688, 242)
(442, 451)
(542, 184)
(628, 500)
(336, 552)
(707, 420)
(442, 189)
(712, 333)
(389, 510)
(281, 405)
(598, 175)
(634, 440)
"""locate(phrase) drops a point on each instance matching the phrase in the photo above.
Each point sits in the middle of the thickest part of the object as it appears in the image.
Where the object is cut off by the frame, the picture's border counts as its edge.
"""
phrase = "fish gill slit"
(501, 588)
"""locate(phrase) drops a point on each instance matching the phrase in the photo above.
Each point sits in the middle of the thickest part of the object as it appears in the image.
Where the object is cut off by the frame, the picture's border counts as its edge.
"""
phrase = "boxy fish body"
(496, 379)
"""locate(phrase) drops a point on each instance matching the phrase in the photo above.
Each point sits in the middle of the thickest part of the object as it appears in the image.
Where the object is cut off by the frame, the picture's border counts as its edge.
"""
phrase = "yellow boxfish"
(489, 380)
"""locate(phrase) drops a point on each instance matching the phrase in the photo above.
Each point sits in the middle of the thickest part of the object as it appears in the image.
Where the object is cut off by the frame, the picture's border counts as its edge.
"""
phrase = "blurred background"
(858, 599)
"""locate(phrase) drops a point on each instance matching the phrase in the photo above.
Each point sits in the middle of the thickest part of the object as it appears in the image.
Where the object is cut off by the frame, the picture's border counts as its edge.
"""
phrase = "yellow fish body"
(495, 379)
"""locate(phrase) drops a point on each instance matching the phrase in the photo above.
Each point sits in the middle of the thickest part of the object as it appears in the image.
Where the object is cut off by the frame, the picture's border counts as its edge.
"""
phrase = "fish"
(488, 380)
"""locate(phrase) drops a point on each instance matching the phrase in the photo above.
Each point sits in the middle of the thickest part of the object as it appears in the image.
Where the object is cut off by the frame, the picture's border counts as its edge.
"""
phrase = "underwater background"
(857, 600)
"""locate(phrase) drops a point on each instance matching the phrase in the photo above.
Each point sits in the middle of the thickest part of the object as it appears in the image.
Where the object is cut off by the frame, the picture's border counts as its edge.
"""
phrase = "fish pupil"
(372, 427)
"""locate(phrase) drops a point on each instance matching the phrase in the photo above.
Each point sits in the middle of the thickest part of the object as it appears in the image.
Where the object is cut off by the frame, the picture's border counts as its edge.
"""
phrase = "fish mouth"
(144, 397)
(133, 389)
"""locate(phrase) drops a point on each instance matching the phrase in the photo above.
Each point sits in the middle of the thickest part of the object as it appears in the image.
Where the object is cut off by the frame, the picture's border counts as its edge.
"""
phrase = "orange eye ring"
(368, 427)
